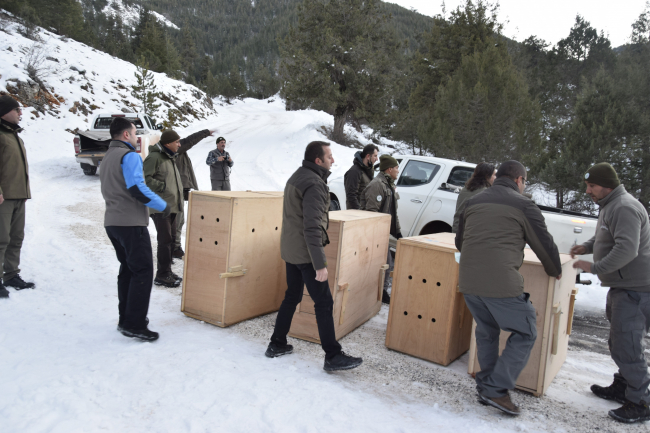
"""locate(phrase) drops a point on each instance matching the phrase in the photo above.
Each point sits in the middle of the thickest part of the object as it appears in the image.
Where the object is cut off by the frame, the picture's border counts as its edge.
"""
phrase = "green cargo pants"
(12, 233)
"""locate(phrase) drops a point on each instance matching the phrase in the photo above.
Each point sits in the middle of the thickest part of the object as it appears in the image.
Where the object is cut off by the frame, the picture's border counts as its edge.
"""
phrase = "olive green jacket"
(162, 177)
(464, 195)
(380, 197)
(14, 171)
(305, 216)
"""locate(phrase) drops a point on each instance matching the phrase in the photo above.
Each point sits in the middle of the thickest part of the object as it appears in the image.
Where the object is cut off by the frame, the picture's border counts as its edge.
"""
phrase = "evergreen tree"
(340, 57)
(174, 66)
(264, 84)
(188, 50)
(484, 112)
(145, 91)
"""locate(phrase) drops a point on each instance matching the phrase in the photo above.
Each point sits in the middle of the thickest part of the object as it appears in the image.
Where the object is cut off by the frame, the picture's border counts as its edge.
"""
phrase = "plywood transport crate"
(233, 269)
(554, 301)
(428, 317)
(356, 263)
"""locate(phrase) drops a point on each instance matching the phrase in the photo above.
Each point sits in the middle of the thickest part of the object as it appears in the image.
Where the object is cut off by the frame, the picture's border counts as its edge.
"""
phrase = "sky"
(550, 20)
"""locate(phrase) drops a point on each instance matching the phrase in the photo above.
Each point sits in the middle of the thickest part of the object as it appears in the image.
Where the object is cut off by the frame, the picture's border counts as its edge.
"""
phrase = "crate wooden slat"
(229, 233)
(356, 258)
(553, 300)
(428, 317)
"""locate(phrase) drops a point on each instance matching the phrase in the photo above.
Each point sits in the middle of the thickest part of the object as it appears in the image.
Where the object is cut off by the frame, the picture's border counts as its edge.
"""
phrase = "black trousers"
(166, 235)
(133, 249)
(297, 277)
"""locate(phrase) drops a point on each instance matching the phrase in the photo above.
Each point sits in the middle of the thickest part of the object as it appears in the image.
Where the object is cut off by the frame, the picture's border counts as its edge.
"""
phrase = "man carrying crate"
(621, 249)
(493, 230)
(305, 219)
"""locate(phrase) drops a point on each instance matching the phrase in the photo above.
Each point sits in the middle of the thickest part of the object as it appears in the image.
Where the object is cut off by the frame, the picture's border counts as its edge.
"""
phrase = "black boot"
(631, 412)
(4, 293)
(341, 362)
(178, 253)
(385, 297)
(273, 351)
(18, 283)
(615, 391)
(120, 327)
(179, 279)
(168, 281)
(141, 334)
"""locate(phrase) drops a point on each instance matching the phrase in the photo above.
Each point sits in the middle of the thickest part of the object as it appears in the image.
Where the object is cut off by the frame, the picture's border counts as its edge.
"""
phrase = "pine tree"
(341, 57)
(145, 90)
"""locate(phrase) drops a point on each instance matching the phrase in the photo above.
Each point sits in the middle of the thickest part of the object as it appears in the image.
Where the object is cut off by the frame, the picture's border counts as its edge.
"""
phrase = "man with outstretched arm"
(621, 249)
(305, 219)
(493, 230)
(184, 164)
(125, 220)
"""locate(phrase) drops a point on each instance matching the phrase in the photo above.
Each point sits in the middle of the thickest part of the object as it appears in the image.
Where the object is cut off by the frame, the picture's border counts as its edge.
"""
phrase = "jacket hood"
(158, 148)
(616, 192)
(358, 159)
(322, 172)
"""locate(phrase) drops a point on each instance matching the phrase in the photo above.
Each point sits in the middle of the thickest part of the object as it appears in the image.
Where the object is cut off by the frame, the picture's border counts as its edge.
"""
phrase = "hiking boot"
(19, 284)
(341, 362)
(178, 253)
(615, 391)
(141, 334)
(120, 327)
(631, 412)
(4, 293)
(385, 297)
(168, 281)
(502, 403)
(273, 351)
(179, 279)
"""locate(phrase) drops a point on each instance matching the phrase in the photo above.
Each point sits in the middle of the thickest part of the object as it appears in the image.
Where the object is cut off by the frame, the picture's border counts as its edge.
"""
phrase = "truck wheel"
(89, 170)
(334, 205)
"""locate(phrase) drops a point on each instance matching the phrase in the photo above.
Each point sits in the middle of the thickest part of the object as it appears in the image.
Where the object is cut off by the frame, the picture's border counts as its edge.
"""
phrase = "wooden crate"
(428, 317)
(356, 263)
(233, 269)
(553, 300)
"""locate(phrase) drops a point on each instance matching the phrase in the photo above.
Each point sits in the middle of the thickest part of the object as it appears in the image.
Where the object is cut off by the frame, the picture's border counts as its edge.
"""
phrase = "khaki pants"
(12, 233)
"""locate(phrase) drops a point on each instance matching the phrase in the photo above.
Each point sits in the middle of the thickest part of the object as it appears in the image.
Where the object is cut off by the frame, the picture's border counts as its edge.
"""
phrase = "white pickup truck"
(428, 189)
(90, 146)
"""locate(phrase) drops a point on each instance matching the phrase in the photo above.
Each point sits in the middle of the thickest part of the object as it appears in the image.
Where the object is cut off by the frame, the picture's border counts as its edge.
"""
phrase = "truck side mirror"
(159, 127)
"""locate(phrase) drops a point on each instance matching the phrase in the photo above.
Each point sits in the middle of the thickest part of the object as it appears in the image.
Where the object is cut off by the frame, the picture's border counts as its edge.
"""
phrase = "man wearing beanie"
(381, 196)
(186, 170)
(621, 249)
(359, 175)
(493, 229)
(220, 164)
(163, 177)
(14, 191)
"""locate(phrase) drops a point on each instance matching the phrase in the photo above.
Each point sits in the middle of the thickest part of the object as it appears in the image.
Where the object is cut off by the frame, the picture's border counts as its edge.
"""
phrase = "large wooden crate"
(428, 317)
(553, 301)
(233, 269)
(356, 263)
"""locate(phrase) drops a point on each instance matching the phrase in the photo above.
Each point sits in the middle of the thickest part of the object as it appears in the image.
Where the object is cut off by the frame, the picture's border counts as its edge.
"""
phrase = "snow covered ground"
(65, 368)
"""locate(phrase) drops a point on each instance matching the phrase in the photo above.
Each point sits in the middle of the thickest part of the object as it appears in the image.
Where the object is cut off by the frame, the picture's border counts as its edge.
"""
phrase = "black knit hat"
(7, 103)
(169, 136)
(386, 162)
(220, 139)
(603, 174)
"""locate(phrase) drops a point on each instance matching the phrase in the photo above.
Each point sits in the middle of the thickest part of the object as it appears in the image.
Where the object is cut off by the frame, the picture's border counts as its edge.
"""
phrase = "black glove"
(398, 235)
(167, 212)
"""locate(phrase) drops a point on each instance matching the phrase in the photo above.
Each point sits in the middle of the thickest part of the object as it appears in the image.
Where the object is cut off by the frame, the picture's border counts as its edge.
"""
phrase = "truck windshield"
(460, 175)
(105, 122)
(418, 173)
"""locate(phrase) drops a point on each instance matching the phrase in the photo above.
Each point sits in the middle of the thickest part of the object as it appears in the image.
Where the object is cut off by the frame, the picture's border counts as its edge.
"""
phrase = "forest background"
(451, 86)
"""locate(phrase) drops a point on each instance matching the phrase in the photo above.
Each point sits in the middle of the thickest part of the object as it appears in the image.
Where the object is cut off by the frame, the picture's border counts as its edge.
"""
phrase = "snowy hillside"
(64, 367)
(130, 13)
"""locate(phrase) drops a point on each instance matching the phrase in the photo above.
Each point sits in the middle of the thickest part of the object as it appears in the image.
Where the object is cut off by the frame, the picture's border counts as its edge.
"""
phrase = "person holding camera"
(220, 164)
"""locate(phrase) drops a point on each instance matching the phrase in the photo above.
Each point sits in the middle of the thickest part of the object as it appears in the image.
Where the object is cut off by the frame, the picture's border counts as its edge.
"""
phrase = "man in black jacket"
(305, 220)
(358, 177)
